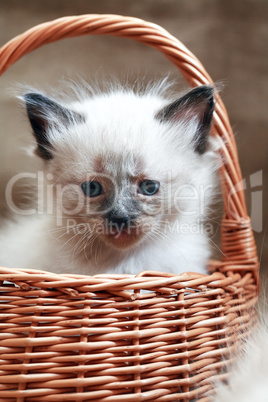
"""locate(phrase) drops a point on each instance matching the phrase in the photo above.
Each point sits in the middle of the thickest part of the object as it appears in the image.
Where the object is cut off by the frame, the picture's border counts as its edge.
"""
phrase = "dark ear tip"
(34, 98)
(204, 91)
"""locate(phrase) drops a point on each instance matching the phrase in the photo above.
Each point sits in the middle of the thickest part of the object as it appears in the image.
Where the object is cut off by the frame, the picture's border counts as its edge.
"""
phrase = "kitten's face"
(118, 161)
(116, 199)
(122, 202)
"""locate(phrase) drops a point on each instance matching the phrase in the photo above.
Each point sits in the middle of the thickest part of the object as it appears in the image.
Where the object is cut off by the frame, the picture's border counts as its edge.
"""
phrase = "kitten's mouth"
(123, 237)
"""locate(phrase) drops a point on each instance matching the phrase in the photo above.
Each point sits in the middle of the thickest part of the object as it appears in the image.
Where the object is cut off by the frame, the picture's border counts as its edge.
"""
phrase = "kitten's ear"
(44, 113)
(197, 104)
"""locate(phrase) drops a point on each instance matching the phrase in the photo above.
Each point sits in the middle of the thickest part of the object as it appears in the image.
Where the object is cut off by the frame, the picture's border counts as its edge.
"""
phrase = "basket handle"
(238, 243)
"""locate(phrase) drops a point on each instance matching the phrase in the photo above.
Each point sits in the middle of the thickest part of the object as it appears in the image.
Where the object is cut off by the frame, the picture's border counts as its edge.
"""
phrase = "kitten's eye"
(92, 188)
(149, 187)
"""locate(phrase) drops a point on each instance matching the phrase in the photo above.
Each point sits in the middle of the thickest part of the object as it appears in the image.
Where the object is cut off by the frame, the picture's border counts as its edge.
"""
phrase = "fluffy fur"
(119, 139)
(249, 380)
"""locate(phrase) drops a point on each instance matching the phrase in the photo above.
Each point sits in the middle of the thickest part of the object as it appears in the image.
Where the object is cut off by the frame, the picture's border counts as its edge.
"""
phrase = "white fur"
(249, 379)
(120, 122)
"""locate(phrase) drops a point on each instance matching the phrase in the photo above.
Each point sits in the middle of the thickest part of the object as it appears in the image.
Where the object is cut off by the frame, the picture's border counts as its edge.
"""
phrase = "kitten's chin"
(122, 239)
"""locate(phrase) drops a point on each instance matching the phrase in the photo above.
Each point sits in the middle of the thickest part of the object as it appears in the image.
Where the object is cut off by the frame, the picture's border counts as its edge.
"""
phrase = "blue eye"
(92, 188)
(149, 187)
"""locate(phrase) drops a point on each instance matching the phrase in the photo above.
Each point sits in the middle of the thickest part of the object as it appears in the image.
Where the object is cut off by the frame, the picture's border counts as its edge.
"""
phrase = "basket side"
(238, 245)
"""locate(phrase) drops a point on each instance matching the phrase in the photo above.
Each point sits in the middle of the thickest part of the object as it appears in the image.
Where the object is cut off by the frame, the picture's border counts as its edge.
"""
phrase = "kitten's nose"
(120, 220)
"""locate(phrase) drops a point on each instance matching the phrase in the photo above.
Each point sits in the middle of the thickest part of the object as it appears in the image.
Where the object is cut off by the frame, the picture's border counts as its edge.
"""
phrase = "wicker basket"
(102, 338)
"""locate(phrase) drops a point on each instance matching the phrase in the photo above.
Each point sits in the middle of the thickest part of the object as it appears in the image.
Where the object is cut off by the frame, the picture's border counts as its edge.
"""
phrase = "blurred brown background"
(229, 37)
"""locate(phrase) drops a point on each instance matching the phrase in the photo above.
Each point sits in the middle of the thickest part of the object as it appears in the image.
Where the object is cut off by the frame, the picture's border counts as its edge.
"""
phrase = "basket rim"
(167, 283)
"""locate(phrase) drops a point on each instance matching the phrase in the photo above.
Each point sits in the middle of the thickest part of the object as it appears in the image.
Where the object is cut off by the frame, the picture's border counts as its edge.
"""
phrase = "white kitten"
(132, 177)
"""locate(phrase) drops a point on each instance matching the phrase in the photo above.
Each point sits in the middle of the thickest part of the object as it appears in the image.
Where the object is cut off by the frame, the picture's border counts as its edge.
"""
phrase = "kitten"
(132, 176)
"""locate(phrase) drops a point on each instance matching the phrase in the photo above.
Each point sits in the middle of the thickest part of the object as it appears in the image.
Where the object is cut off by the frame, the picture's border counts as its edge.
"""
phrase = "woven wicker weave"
(102, 338)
